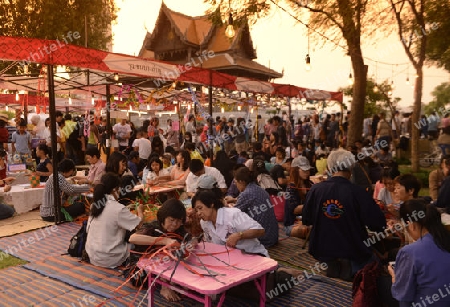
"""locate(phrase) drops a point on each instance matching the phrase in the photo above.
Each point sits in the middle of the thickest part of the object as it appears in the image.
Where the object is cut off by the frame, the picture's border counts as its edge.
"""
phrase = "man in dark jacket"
(339, 212)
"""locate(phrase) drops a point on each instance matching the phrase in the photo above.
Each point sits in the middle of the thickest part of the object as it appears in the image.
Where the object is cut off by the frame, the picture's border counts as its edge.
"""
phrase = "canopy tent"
(55, 52)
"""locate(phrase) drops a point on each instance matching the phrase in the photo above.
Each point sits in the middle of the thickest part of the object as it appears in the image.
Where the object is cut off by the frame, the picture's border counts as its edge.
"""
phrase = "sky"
(281, 43)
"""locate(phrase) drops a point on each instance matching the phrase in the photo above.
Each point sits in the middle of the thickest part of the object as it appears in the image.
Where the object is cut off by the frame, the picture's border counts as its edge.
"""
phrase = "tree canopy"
(54, 19)
(378, 97)
(438, 46)
(441, 98)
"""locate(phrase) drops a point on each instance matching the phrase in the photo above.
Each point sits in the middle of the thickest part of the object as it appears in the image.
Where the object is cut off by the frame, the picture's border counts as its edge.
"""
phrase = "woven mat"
(20, 287)
(41, 243)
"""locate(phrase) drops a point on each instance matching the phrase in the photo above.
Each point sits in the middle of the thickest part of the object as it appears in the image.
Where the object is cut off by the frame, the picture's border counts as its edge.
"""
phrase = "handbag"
(78, 241)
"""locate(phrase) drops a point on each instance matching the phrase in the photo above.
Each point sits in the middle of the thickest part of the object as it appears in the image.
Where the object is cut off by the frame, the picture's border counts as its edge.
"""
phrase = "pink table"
(201, 288)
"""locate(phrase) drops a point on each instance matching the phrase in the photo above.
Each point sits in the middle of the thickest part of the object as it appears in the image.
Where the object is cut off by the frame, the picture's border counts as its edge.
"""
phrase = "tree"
(413, 30)
(438, 45)
(53, 19)
(340, 20)
(441, 94)
(378, 97)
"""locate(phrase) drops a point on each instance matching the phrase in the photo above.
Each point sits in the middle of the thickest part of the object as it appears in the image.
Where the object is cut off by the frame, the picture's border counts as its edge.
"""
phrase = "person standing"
(122, 132)
(21, 140)
(396, 125)
(339, 212)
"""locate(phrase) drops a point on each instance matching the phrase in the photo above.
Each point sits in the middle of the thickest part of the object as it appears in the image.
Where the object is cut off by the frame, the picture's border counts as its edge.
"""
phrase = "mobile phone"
(392, 263)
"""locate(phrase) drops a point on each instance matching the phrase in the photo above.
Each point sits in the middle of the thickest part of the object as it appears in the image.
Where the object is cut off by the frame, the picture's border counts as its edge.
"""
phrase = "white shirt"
(148, 175)
(121, 131)
(145, 147)
(105, 242)
(229, 221)
(192, 180)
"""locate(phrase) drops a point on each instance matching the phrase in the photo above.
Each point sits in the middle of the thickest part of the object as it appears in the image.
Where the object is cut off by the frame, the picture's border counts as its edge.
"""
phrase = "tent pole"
(211, 120)
(52, 111)
(108, 121)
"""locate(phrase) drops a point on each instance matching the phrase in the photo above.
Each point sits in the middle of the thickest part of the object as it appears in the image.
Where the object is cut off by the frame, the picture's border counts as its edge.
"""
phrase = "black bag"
(78, 242)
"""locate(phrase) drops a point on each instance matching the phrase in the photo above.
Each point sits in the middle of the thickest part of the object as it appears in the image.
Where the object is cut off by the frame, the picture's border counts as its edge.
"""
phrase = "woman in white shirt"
(108, 225)
(228, 226)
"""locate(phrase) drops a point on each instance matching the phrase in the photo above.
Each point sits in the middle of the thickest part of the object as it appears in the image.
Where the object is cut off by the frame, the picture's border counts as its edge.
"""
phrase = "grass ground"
(9, 261)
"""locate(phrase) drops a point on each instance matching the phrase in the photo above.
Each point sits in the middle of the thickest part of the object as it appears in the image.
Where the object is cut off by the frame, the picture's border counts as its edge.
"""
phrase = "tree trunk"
(359, 97)
(415, 133)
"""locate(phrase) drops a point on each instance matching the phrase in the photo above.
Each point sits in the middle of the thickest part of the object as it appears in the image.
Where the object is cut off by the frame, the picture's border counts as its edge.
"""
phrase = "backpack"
(78, 242)
(364, 289)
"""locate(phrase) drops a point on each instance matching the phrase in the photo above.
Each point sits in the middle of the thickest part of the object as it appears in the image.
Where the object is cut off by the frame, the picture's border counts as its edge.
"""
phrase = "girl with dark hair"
(296, 197)
(117, 163)
(180, 171)
(274, 142)
(155, 172)
(250, 200)
(45, 167)
(280, 156)
(108, 224)
(422, 269)
(387, 194)
(187, 139)
(66, 168)
(168, 229)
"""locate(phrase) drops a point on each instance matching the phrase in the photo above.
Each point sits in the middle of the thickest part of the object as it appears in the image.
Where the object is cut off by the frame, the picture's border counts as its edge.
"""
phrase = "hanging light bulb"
(229, 32)
(239, 108)
(148, 107)
(392, 84)
(350, 79)
(17, 96)
(407, 80)
(93, 101)
(375, 89)
(6, 108)
(70, 101)
(308, 63)
(116, 77)
(222, 110)
(251, 110)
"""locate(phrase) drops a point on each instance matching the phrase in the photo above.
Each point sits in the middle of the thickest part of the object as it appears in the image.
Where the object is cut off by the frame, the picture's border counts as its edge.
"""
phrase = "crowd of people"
(243, 180)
